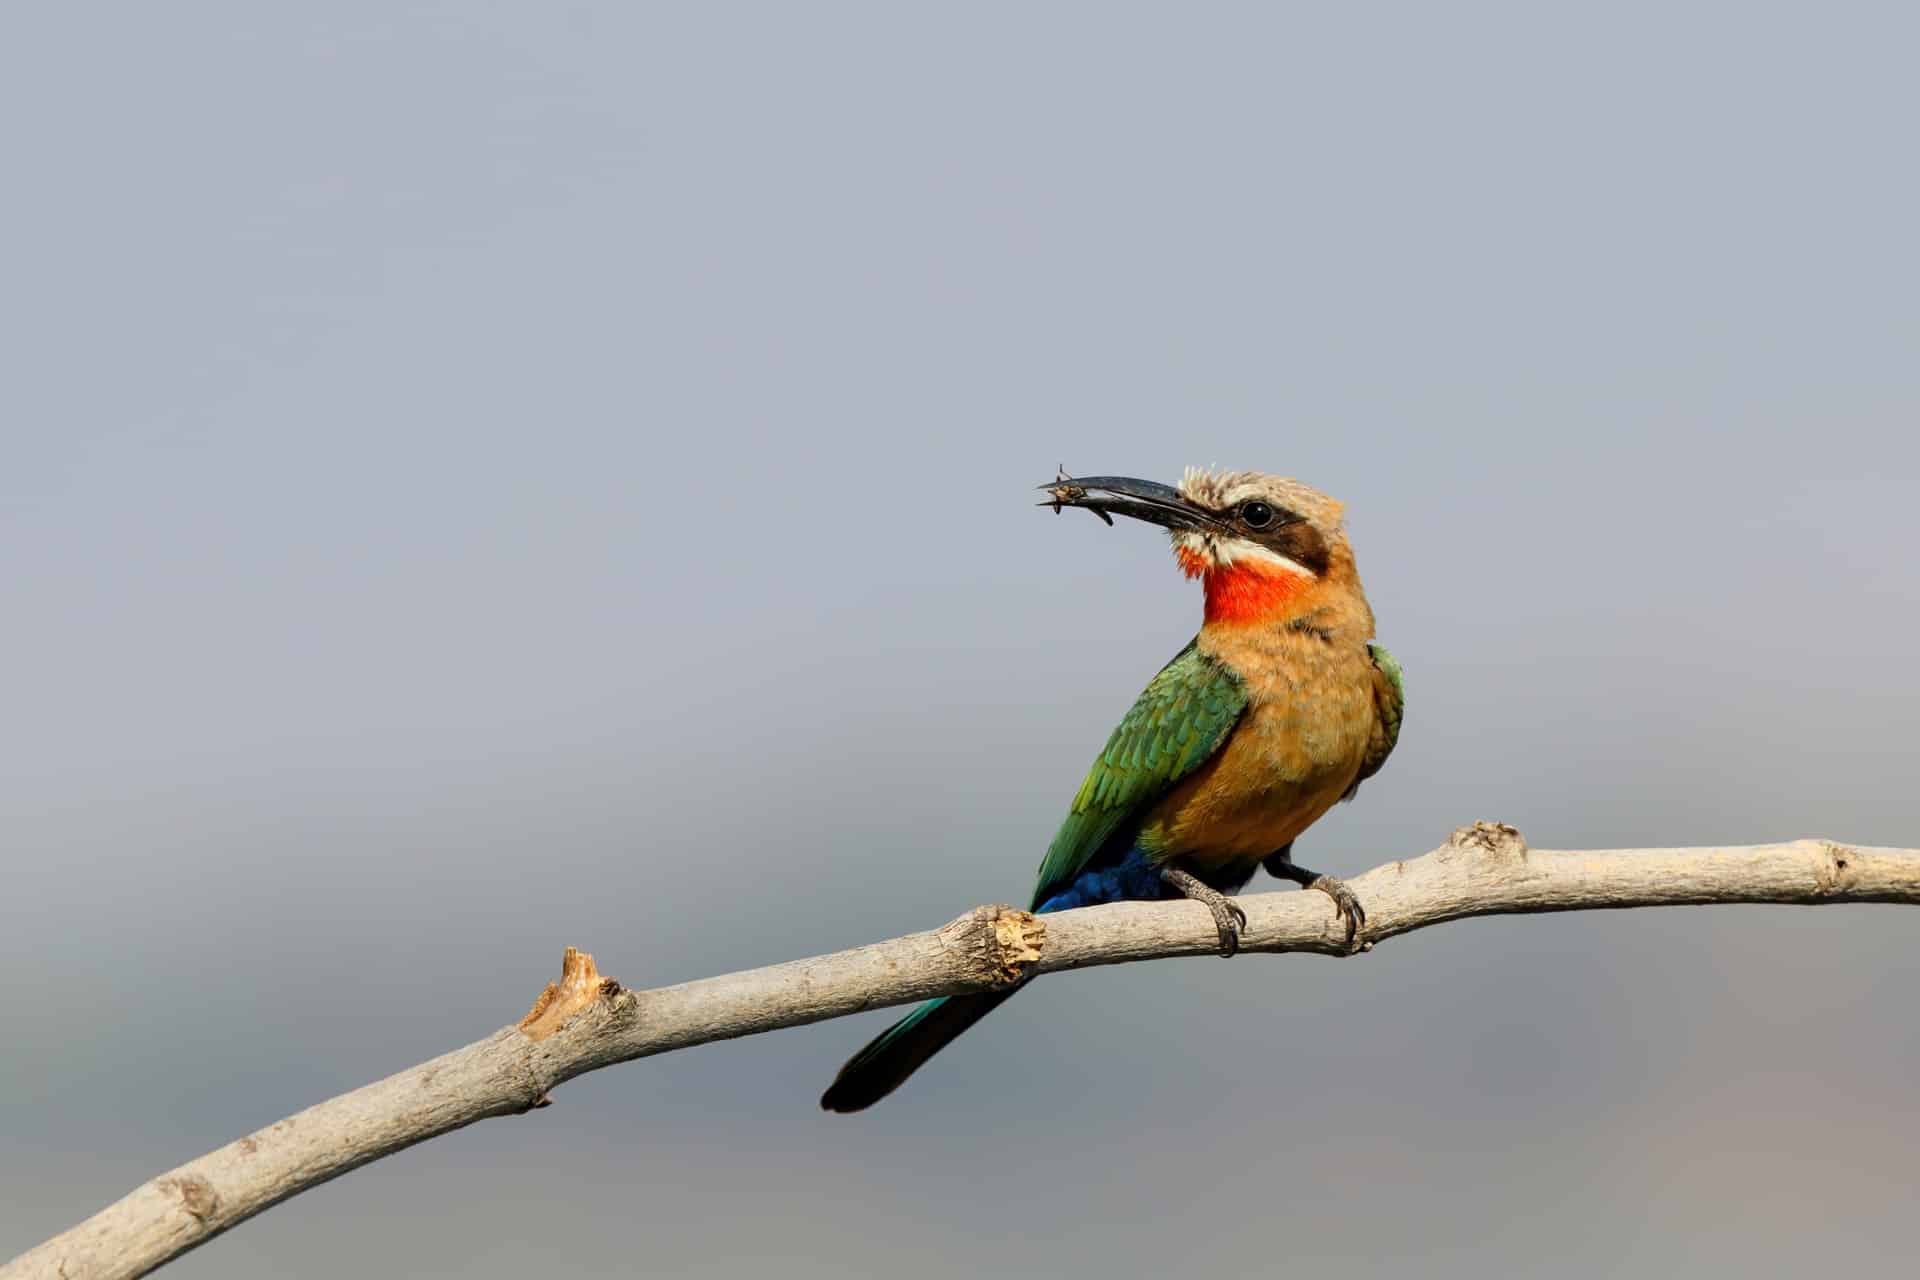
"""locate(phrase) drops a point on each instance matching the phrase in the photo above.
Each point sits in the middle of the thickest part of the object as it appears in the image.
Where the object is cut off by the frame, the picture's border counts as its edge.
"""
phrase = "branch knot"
(1009, 941)
(196, 1194)
(1495, 839)
(1835, 872)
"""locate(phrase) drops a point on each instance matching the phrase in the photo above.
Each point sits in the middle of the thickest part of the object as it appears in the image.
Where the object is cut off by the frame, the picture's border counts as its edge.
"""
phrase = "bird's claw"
(1348, 906)
(1230, 937)
(1228, 918)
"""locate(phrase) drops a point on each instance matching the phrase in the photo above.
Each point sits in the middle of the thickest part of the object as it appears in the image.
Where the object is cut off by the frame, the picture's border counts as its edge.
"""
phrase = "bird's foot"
(1228, 918)
(1282, 866)
(1351, 912)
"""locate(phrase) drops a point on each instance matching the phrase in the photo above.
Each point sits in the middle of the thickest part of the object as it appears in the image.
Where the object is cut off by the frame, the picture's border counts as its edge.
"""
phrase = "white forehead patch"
(1205, 485)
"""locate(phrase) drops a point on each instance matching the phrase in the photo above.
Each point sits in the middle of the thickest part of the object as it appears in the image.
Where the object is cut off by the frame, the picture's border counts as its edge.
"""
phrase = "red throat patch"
(1246, 592)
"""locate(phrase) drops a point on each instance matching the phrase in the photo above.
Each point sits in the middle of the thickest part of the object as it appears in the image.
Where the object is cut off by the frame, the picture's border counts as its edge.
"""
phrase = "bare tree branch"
(586, 1022)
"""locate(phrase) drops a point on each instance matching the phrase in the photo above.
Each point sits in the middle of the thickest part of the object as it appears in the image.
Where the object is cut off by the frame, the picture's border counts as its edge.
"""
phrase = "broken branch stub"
(580, 986)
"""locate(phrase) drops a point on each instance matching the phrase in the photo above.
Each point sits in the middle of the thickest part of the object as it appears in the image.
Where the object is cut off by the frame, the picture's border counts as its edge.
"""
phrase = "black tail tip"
(844, 1101)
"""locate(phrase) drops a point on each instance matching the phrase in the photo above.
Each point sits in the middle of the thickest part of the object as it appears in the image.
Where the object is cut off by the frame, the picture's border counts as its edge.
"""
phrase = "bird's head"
(1262, 544)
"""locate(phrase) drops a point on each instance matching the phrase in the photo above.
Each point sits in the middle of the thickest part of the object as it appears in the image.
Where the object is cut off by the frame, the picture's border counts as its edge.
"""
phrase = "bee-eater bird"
(1281, 706)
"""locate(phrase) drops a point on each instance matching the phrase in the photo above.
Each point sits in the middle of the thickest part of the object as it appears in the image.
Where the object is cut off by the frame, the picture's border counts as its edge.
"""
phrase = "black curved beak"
(1109, 496)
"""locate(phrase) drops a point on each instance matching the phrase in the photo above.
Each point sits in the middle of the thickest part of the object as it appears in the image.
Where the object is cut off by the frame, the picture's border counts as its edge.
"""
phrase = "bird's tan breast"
(1295, 751)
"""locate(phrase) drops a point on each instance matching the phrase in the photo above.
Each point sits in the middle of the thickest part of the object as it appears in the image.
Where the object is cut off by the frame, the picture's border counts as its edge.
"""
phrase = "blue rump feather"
(1135, 878)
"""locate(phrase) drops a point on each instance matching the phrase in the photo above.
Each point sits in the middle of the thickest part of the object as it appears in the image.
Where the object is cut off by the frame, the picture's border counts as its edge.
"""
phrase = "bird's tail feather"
(899, 1051)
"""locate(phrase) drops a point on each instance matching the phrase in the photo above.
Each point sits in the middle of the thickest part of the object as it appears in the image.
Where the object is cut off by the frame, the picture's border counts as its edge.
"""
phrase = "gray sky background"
(477, 478)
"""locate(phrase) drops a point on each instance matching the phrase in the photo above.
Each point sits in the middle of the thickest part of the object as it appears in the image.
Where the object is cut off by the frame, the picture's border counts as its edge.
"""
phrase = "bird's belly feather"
(1287, 762)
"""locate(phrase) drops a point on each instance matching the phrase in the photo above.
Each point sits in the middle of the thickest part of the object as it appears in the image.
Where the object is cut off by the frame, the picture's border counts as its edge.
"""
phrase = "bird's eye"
(1256, 515)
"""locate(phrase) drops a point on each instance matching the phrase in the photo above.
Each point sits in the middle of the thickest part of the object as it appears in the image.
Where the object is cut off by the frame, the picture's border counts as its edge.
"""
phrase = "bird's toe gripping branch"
(1351, 913)
(1347, 908)
(1228, 918)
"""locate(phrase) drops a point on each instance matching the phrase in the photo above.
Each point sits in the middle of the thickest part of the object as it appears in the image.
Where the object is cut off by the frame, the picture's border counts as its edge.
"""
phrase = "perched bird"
(1281, 706)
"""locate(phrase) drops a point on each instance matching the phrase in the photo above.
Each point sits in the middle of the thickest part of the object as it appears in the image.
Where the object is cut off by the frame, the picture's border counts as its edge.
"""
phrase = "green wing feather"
(1389, 701)
(1182, 718)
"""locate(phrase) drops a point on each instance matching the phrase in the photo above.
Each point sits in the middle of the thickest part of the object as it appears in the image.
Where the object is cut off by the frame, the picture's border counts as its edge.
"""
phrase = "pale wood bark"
(586, 1022)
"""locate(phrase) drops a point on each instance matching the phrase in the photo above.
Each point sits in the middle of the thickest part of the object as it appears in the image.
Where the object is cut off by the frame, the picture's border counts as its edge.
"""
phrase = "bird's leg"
(1283, 866)
(1228, 918)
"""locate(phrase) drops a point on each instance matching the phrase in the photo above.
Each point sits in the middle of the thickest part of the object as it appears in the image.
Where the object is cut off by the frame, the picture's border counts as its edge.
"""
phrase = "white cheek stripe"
(1222, 552)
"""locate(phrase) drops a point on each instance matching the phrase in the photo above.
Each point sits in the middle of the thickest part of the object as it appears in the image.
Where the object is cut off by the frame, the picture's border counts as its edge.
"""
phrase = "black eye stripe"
(1282, 530)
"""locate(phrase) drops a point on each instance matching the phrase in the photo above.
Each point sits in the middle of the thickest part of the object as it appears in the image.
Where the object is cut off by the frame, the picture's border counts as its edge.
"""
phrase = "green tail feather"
(899, 1051)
